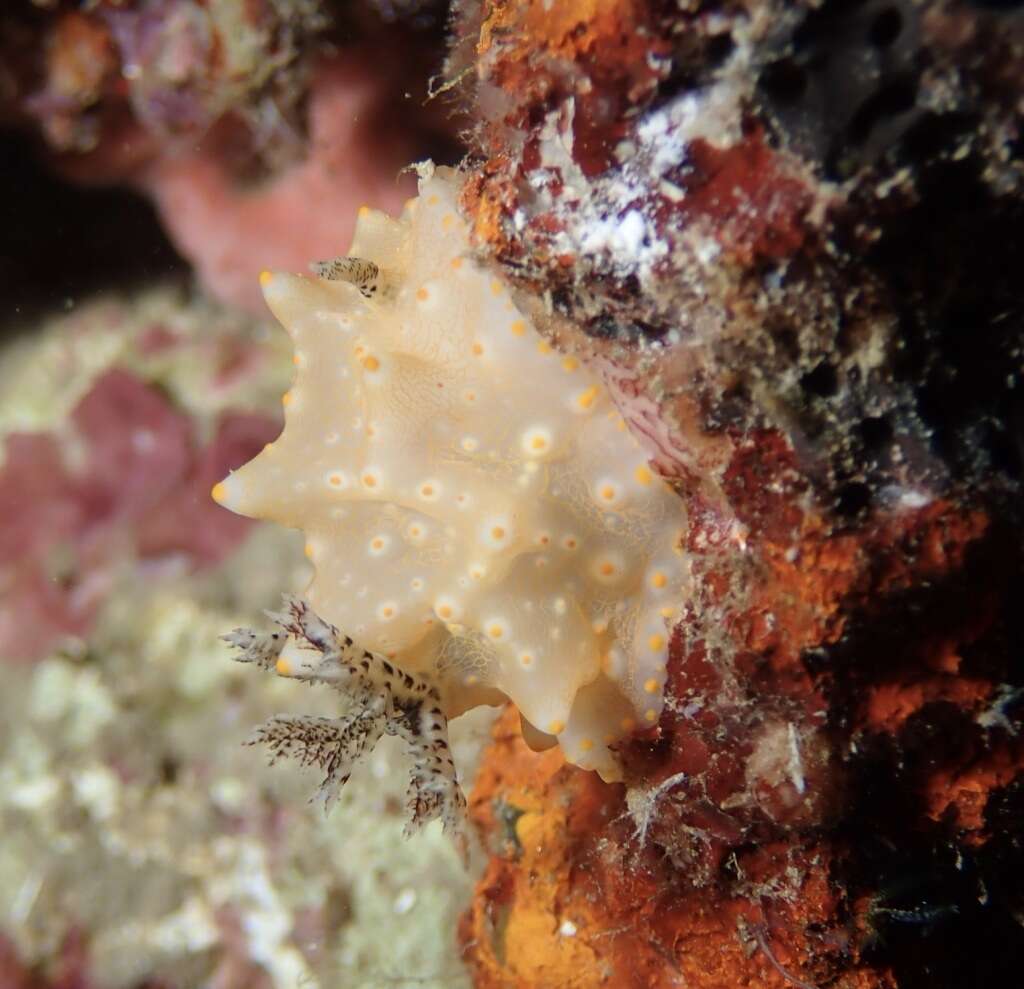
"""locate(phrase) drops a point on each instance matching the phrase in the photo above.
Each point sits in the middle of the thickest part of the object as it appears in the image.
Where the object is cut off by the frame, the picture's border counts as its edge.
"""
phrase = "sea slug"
(474, 506)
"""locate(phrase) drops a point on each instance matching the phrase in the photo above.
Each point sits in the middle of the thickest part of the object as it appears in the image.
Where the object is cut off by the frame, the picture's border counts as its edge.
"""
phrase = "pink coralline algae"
(158, 69)
(231, 232)
(255, 127)
(71, 970)
(127, 479)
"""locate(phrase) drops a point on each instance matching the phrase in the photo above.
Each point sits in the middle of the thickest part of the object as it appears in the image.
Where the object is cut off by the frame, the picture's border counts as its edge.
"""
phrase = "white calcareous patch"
(479, 487)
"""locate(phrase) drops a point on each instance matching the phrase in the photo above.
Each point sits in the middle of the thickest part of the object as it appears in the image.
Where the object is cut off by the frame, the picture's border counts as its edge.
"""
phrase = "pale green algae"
(130, 808)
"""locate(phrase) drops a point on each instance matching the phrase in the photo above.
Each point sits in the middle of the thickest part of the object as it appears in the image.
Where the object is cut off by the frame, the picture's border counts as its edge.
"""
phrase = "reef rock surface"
(790, 234)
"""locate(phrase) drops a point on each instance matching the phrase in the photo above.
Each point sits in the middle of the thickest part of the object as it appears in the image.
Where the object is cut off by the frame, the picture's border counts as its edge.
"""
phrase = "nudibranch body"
(474, 507)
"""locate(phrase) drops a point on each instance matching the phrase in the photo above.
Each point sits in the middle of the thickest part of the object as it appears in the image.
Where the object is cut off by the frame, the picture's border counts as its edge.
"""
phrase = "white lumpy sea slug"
(481, 523)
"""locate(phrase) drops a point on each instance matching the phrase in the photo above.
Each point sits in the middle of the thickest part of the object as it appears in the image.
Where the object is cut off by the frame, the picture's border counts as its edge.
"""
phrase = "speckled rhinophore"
(475, 509)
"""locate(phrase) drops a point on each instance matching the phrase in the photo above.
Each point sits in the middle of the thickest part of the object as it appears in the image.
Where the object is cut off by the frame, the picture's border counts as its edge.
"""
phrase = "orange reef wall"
(788, 236)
